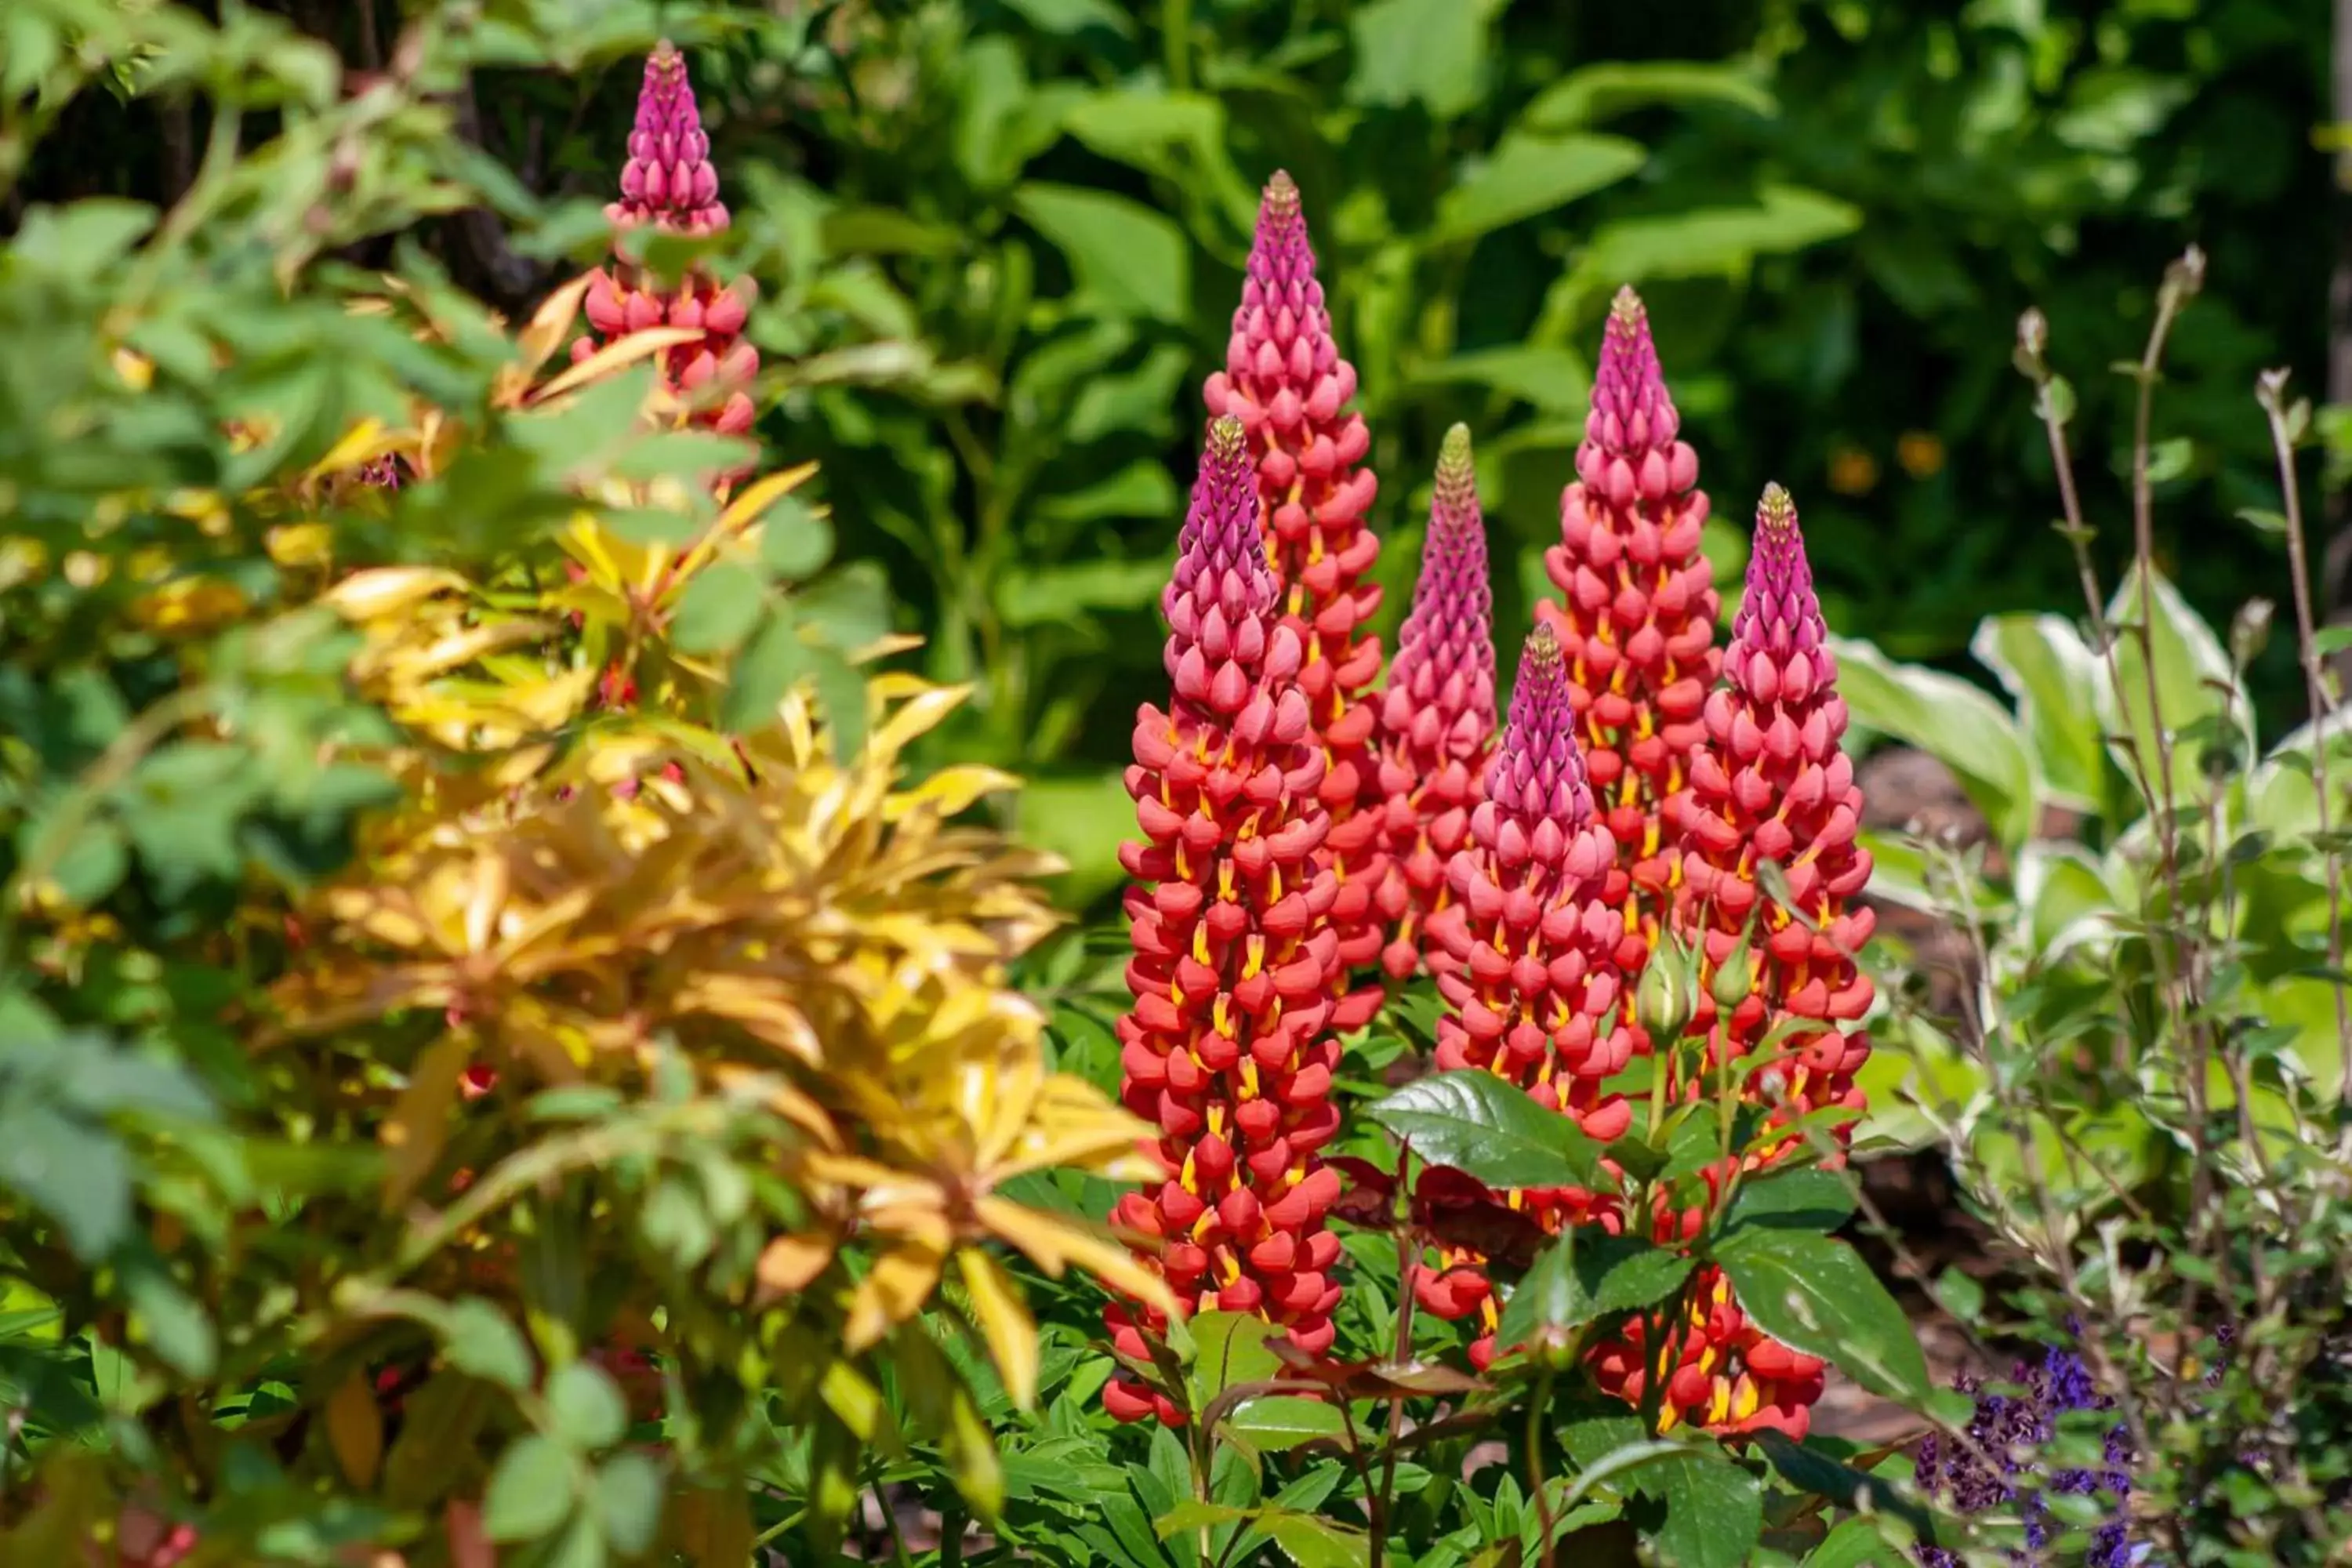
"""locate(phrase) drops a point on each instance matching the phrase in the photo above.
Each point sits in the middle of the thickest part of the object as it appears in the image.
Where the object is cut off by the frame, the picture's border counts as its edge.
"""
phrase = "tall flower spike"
(1775, 784)
(1638, 626)
(1770, 785)
(1285, 381)
(670, 182)
(1229, 1048)
(670, 178)
(1437, 712)
(1525, 954)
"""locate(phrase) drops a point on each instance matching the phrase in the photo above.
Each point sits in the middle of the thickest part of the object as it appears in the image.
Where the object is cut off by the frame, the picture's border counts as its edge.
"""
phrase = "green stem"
(1544, 1519)
(1176, 37)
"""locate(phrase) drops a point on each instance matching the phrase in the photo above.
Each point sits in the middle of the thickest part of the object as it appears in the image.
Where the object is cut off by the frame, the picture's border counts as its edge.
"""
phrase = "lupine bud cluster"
(1526, 953)
(2007, 1436)
(1437, 710)
(670, 182)
(1774, 784)
(1229, 1047)
(1638, 624)
(1285, 381)
(1718, 1372)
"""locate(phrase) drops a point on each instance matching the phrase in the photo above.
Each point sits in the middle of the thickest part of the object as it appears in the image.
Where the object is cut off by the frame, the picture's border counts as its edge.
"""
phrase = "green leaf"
(170, 1321)
(1431, 52)
(1713, 241)
(81, 240)
(1488, 1129)
(1178, 136)
(1576, 1280)
(2329, 641)
(1817, 1473)
(1815, 1294)
(1229, 1347)
(1064, 16)
(586, 1407)
(841, 696)
(1128, 259)
(1715, 1510)
(1553, 380)
(531, 1491)
(75, 1172)
(1812, 1200)
(629, 1495)
(1050, 595)
(794, 541)
(774, 657)
(1194, 1514)
(2053, 677)
(1857, 1544)
(2192, 668)
(1313, 1542)
(1140, 489)
(1952, 721)
(1081, 818)
(1282, 1422)
(719, 609)
(481, 1342)
(1596, 92)
(1531, 175)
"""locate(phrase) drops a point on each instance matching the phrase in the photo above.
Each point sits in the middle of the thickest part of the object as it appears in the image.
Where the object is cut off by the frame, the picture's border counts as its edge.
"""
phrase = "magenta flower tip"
(1780, 614)
(1221, 549)
(1632, 413)
(1445, 649)
(1538, 773)
(670, 177)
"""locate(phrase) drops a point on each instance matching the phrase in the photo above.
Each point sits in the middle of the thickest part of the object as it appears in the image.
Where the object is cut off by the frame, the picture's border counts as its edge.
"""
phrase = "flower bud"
(1734, 979)
(1668, 993)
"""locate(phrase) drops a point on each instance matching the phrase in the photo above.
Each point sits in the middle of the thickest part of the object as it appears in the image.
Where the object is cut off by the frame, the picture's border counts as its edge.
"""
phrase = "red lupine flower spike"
(1526, 953)
(1771, 785)
(1717, 1371)
(1437, 712)
(1285, 381)
(670, 178)
(669, 181)
(1777, 786)
(1638, 626)
(1230, 1047)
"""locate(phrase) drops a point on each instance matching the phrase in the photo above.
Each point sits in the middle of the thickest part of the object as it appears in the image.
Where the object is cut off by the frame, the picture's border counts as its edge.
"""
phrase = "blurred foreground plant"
(500, 1053)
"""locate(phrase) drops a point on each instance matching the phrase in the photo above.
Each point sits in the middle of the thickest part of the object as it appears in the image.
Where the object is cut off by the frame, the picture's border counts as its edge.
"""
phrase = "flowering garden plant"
(523, 1048)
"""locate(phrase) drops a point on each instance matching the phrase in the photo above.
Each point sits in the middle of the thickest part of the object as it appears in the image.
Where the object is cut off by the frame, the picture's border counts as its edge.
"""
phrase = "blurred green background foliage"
(1000, 240)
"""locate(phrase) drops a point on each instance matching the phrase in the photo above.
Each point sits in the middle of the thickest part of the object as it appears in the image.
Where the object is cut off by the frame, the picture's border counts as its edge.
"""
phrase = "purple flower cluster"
(2007, 1436)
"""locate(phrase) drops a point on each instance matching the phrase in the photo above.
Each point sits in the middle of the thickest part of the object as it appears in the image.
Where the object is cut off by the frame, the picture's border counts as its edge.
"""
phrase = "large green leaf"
(1555, 380)
(1713, 241)
(1488, 1129)
(1815, 1294)
(1813, 1200)
(1596, 92)
(1128, 259)
(1229, 1347)
(1714, 1509)
(1952, 721)
(1531, 175)
(1284, 1421)
(2054, 678)
(1576, 1280)
(1179, 136)
(2191, 675)
(1432, 52)
(2066, 899)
